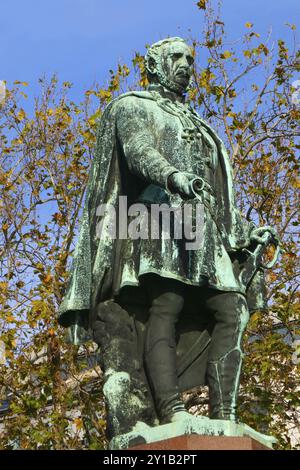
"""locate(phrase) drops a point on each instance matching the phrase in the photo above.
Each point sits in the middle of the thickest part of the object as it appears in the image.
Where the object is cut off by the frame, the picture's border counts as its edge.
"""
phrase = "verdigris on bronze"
(166, 318)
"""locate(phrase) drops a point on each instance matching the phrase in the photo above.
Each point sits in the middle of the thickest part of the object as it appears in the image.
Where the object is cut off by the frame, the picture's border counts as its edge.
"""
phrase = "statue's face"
(177, 63)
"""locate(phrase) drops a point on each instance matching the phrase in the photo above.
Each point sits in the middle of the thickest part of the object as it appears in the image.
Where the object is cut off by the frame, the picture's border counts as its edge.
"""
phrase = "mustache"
(183, 73)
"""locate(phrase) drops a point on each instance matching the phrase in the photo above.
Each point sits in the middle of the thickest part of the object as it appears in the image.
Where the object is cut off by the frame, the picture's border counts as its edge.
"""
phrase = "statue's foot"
(180, 416)
(175, 417)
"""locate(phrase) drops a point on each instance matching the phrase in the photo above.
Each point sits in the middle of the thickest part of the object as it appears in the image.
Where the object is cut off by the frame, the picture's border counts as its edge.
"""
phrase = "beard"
(177, 81)
(182, 79)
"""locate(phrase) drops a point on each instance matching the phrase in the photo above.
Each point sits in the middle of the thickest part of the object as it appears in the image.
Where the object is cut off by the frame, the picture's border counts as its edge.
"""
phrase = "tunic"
(154, 134)
(142, 138)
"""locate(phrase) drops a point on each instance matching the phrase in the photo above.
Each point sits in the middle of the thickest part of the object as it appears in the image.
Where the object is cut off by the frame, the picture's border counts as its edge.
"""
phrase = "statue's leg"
(167, 299)
(225, 357)
(127, 397)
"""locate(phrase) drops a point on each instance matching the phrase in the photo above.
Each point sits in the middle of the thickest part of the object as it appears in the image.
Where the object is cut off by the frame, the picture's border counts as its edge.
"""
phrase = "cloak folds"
(93, 277)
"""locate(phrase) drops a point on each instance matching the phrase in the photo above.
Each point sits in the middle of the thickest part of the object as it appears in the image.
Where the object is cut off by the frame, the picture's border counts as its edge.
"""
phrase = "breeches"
(167, 298)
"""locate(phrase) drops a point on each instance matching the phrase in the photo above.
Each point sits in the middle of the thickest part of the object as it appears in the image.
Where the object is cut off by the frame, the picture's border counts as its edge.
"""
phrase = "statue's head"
(170, 63)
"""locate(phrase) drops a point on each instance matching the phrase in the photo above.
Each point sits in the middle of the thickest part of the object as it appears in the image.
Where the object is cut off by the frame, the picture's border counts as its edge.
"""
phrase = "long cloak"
(93, 273)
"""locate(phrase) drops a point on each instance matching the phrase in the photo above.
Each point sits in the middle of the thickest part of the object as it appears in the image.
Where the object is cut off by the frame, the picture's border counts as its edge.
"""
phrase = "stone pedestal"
(194, 442)
(193, 433)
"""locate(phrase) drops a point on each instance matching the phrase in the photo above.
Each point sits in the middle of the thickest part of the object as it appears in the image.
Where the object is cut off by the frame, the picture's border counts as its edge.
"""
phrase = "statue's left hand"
(257, 235)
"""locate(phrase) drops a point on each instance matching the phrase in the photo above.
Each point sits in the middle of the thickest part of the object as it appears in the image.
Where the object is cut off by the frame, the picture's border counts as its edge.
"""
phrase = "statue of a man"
(166, 318)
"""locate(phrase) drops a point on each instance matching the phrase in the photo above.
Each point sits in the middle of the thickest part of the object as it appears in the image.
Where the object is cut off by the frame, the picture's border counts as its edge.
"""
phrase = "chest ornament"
(191, 134)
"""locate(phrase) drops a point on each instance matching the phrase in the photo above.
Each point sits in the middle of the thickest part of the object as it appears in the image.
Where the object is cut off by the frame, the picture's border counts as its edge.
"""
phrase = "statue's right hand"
(180, 182)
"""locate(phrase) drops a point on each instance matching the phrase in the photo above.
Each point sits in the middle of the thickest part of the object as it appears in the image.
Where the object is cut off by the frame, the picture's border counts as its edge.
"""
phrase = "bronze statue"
(167, 317)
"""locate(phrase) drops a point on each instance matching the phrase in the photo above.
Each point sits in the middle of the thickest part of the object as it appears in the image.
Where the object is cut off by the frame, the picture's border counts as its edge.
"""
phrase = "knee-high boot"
(225, 359)
(160, 364)
(223, 378)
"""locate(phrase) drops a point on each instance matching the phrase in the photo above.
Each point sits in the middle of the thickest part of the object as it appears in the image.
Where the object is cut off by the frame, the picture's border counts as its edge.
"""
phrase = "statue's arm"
(136, 135)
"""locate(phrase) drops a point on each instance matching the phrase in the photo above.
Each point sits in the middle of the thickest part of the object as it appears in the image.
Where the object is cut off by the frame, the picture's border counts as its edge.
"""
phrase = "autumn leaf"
(105, 95)
(17, 82)
(226, 55)
(21, 115)
(232, 93)
(202, 4)
(78, 423)
(3, 286)
(247, 53)
(20, 284)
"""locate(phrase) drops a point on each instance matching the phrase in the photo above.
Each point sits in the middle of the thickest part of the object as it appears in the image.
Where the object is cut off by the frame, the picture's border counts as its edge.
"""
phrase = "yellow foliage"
(3, 286)
(247, 53)
(202, 4)
(105, 95)
(10, 318)
(78, 423)
(21, 115)
(17, 82)
(226, 55)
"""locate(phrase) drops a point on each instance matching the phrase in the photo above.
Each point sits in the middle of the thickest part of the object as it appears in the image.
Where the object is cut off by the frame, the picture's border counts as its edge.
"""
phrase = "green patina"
(194, 425)
(152, 147)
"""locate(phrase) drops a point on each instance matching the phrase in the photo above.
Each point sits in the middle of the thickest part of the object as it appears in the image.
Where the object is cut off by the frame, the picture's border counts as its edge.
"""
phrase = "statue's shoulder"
(128, 105)
(132, 100)
(140, 95)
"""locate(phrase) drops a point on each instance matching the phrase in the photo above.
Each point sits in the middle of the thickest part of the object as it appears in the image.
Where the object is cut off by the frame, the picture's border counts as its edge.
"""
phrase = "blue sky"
(81, 40)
